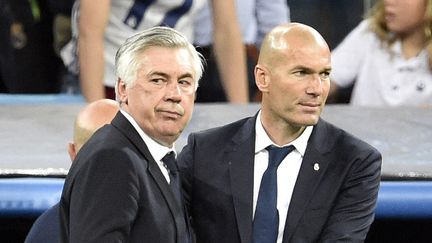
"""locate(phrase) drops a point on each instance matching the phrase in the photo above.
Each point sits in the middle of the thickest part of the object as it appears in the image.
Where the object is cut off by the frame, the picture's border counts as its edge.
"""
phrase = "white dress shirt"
(287, 171)
(157, 150)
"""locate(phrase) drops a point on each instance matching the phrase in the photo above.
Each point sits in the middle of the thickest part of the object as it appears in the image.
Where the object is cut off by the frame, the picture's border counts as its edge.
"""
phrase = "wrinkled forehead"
(313, 56)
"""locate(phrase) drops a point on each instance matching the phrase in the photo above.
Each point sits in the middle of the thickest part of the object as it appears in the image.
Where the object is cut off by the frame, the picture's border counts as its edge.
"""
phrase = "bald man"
(284, 175)
(89, 119)
(46, 228)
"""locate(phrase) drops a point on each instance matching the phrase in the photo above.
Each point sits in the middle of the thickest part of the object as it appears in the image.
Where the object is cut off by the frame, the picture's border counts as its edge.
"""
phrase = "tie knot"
(277, 154)
(170, 162)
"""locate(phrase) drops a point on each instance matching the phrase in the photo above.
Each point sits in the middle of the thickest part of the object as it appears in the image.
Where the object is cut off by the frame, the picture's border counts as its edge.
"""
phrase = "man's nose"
(315, 85)
(173, 91)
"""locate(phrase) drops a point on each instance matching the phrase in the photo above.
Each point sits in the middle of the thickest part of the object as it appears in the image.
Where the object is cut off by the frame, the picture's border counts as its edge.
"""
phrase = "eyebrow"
(308, 69)
(328, 69)
(165, 75)
(158, 74)
(186, 75)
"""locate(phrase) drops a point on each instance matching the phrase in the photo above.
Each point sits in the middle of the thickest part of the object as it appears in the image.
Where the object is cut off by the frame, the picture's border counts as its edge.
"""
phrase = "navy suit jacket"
(46, 228)
(333, 204)
(115, 192)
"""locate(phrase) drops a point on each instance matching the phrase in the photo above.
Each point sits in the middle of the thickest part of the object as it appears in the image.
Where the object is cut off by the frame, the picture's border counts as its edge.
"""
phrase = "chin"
(169, 130)
(310, 120)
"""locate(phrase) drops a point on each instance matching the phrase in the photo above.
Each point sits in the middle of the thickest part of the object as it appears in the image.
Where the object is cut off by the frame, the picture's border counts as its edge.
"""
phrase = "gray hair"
(126, 59)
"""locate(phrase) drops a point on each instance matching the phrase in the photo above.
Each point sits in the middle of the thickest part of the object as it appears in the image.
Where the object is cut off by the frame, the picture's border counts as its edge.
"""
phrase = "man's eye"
(325, 75)
(186, 85)
(300, 73)
(157, 81)
(184, 82)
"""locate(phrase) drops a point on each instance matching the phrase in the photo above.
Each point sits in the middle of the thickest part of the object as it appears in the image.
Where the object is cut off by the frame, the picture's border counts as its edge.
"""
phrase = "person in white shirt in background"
(99, 28)
(388, 56)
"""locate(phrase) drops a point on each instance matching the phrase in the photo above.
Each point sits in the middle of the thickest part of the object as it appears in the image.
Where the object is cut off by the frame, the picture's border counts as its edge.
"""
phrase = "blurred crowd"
(381, 50)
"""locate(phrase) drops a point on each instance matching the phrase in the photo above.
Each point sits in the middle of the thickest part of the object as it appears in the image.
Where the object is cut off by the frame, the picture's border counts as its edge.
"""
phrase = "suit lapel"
(240, 156)
(313, 168)
(129, 131)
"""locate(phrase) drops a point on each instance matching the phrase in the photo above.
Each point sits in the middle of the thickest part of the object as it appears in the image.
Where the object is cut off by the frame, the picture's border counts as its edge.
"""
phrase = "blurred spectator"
(103, 25)
(28, 63)
(256, 18)
(62, 34)
(61, 10)
(388, 56)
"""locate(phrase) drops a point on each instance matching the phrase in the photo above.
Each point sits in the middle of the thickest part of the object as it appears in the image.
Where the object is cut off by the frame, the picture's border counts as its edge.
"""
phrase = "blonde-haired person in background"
(388, 56)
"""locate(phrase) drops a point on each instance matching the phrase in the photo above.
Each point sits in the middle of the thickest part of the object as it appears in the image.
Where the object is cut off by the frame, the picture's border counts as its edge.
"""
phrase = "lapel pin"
(316, 167)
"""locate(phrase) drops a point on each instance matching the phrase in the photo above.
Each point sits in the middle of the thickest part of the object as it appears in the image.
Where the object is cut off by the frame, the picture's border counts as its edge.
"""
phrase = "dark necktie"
(266, 220)
(172, 167)
(175, 184)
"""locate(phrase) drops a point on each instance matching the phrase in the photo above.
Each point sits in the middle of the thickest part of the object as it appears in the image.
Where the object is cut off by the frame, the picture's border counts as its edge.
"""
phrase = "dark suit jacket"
(333, 204)
(46, 228)
(115, 192)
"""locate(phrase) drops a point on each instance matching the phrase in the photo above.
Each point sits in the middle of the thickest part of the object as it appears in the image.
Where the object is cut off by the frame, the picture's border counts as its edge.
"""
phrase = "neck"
(279, 130)
(413, 43)
(165, 141)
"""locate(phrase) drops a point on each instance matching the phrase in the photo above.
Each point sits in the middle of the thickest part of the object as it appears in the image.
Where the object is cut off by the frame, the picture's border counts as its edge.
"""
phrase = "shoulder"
(219, 138)
(106, 138)
(225, 131)
(107, 152)
(348, 155)
(342, 141)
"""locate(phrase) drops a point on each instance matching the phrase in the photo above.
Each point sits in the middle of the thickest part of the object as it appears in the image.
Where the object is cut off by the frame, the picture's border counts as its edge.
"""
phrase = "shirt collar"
(396, 48)
(262, 140)
(157, 150)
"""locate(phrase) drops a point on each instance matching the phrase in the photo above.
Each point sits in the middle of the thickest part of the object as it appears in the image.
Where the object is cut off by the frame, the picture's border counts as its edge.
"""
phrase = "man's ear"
(262, 78)
(72, 151)
(121, 90)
